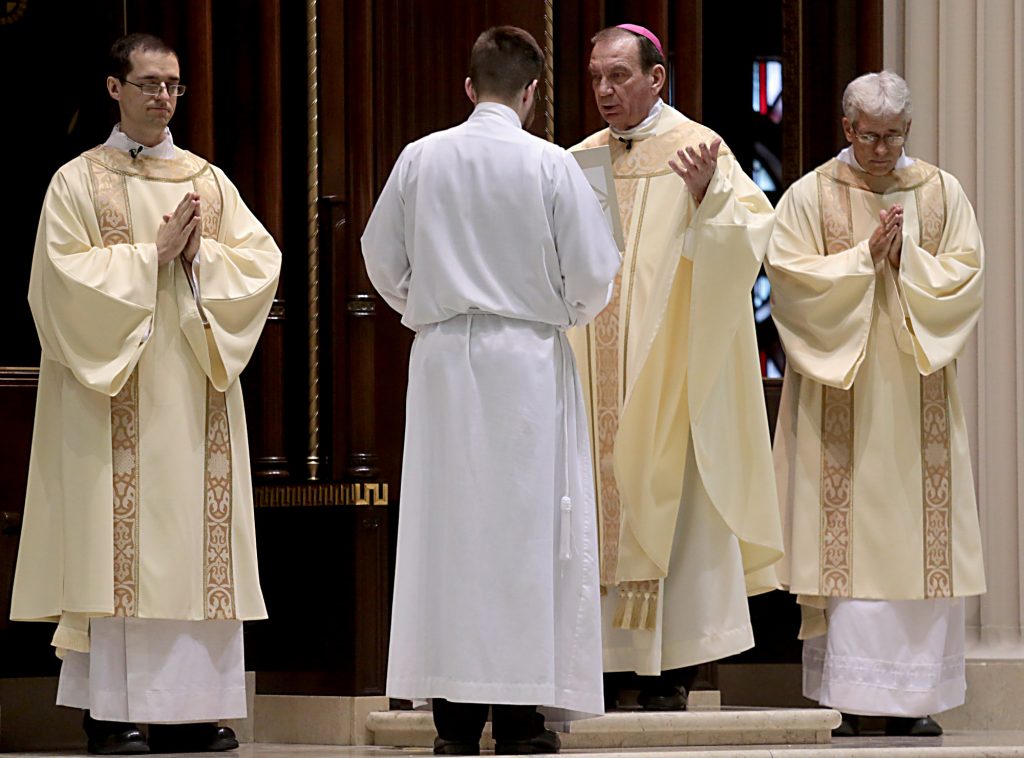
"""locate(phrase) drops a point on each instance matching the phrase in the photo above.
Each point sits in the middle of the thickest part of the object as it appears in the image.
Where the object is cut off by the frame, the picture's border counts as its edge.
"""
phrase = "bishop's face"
(624, 93)
(145, 116)
(877, 142)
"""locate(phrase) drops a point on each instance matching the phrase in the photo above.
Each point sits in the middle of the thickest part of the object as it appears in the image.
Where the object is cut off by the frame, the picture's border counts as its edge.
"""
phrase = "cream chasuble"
(871, 448)
(670, 373)
(139, 500)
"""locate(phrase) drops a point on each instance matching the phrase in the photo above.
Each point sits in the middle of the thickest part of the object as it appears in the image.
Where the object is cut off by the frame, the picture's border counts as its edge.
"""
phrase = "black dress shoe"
(191, 738)
(669, 699)
(113, 737)
(925, 726)
(545, 742)
(849, 727)
(452, 747)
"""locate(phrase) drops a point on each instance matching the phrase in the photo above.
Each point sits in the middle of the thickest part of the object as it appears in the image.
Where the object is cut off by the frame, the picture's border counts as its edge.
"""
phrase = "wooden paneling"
(26, 647)
(17, 413)
(232, 115)
(325, 577)
(576, 116)
(827, 45)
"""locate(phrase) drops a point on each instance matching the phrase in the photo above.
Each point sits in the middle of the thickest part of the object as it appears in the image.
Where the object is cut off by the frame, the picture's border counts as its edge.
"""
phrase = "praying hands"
(180, 232)
(886, 242)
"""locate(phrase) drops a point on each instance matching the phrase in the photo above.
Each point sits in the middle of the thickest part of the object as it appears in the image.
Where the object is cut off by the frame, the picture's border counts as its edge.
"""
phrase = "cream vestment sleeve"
(239, 274)
(822, 304)
(92, 305)
(939, 296)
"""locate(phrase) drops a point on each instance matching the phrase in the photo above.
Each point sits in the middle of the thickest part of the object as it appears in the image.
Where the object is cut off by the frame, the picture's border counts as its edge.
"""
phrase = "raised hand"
(177, 227)
(697, 167)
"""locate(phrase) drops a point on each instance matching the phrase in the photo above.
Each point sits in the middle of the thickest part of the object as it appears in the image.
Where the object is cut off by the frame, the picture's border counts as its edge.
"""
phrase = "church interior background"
(306, 105)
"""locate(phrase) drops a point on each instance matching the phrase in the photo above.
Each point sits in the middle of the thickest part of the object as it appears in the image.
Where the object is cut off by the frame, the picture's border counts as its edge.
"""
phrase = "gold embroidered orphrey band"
(936, 461)
(836, 550)
(603, 338)
(837, 427)
(113, 214)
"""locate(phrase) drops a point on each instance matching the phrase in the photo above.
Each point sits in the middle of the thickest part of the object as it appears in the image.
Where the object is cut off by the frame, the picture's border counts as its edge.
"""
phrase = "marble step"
(630, 730)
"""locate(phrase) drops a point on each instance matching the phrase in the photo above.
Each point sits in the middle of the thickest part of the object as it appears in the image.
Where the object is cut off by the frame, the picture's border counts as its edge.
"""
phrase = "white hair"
(881, 95)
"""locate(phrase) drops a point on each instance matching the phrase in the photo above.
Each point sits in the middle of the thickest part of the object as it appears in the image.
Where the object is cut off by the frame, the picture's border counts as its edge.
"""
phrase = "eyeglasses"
(870, 138)
(151, 89)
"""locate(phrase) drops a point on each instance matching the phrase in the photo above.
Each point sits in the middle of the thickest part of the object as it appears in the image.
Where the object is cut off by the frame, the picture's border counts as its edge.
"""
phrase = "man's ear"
(114, 87)
(530, 90)
(848, 129)
(657, 77)
(470, 92)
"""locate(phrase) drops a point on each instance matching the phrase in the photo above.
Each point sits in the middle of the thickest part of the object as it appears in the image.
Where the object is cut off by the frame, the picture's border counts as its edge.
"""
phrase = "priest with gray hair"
(876, 265)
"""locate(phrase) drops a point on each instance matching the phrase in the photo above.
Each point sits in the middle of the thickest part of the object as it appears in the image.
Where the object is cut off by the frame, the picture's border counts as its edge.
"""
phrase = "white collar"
(121, 141)
(645, 128)
(498, 109)
(846, 156)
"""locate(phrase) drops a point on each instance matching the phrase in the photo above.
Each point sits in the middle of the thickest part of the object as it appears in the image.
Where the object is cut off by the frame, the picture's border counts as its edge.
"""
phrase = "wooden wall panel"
(17, 414)
(827, 45)
(576, 115)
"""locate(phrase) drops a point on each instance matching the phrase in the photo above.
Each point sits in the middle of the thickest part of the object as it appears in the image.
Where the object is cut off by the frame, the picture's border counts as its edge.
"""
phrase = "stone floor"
(952, 745)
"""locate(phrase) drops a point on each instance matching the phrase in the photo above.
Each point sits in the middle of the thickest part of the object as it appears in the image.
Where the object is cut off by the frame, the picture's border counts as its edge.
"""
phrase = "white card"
(596, 163)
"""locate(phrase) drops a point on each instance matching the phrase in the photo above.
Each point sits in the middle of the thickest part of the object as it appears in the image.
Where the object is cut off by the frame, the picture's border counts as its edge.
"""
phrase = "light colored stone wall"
(964, 61)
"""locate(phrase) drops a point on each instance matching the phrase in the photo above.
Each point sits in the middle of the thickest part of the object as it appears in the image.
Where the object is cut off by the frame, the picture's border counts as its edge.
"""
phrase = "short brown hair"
(505, 59)
(120, 64)
(649, 55)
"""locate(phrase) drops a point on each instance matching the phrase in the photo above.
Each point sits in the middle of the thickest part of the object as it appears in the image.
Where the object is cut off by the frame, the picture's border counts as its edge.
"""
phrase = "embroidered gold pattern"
(110, 196)
(605, 393)
(182, 168)
(899, 180)
(836, 492)
(836, 550)
(931, 213)
(836, 219)
(113, 215)
(937, 487)
(218, 569)
(124, 447)
(210, 200)
(936, 461)
(653, 161)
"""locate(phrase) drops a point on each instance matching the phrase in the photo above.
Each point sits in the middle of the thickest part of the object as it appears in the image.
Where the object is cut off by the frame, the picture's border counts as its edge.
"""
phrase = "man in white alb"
(490, 243)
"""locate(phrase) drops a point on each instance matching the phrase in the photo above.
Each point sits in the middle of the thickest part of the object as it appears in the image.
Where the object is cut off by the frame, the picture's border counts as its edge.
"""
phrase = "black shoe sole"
(126, 748)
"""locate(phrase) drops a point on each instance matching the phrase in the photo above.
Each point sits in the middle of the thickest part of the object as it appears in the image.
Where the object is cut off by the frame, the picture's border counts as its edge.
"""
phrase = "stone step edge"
(642, 730)
(831, 751)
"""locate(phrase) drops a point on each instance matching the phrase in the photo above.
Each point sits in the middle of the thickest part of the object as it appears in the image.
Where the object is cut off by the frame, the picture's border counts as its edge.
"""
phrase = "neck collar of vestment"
(181, 166)
(489, 109)
(643, 130)
(846, 155)
(121, 141)
(913, 173)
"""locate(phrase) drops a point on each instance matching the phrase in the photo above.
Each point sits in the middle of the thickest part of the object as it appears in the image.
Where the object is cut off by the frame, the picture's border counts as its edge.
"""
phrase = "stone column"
(964, 61)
